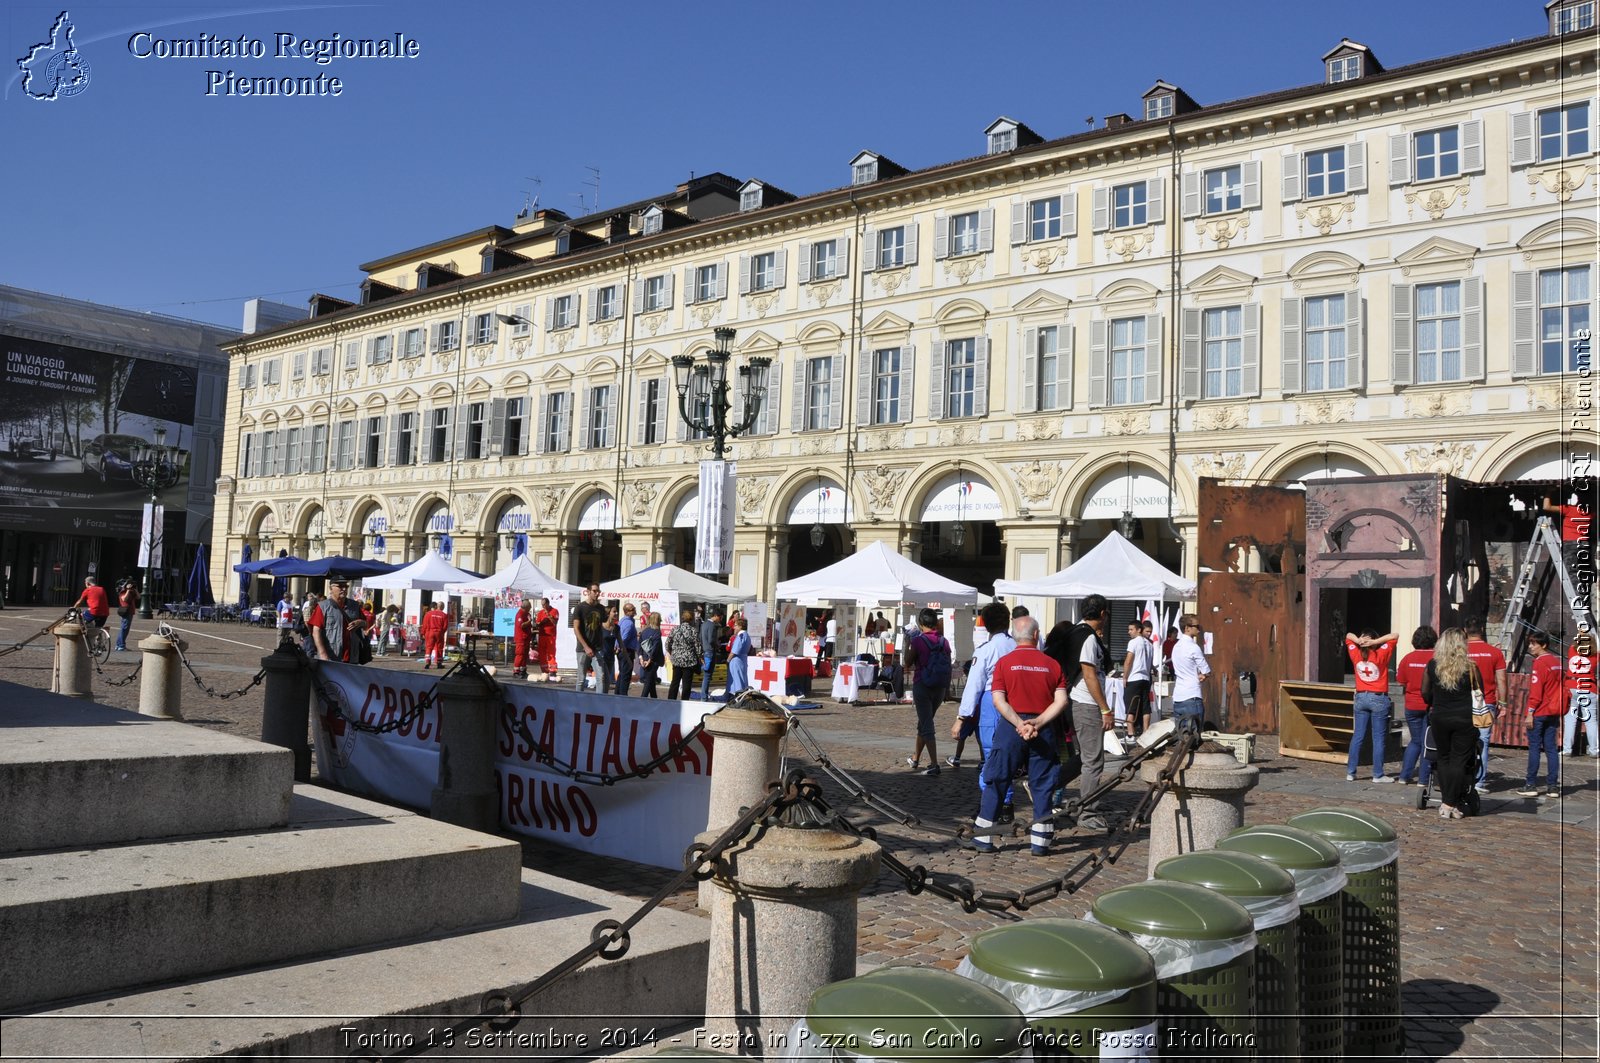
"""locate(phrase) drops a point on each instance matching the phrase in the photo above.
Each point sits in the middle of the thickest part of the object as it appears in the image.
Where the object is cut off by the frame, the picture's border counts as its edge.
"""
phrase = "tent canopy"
(349, 567)
(1115, 568)
(520, 575)
(430, 573)
(876, 575)
(690, 587)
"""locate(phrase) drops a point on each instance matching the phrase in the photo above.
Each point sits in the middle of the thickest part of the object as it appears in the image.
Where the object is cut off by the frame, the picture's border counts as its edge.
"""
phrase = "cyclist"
(96, 606)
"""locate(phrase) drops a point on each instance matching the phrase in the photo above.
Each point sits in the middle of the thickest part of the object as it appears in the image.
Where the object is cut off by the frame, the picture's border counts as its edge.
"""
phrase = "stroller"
(1430, 751)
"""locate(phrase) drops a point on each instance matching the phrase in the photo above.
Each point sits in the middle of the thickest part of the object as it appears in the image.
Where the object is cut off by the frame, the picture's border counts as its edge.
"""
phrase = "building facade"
(987, 364)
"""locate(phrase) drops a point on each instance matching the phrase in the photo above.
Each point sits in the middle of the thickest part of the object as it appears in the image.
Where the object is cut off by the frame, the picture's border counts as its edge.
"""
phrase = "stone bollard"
(470, 705)
(72, 672)
(745, 762)
(1205, 802)
(161, 678)
(783, 925)
(286, 709)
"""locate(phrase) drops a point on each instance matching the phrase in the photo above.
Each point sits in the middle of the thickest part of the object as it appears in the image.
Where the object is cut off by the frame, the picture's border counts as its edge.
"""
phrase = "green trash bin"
(1370, 849)
(1087, 991)
(1267, 892)
(1318, 877)
(1204, 948)
(907, 1014)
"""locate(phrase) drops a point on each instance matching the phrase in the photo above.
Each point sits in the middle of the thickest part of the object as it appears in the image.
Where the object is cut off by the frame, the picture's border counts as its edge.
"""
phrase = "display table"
(781, 675)
(1115, 687)
(849, 677)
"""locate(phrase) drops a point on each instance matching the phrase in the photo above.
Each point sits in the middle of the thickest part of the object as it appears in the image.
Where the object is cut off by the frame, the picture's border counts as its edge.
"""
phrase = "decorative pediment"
(887, 323)
(294, 413)
(477, 384)
(756, 342)
(556, 374)
(1324, 266)
(1562, 231)
(248, 422)
(518, 379)
(270, 417)
(442, 392)
(603, 365)
(1128, 291)
(1436, 249)
(406, 395)
(650, 361)
(1043, 302)
(821, 333)
(960, 310)
(1221, 280)
(349, 406)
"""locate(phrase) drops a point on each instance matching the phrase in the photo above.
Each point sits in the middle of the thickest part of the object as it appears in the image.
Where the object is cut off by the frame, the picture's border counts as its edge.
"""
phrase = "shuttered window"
(1552, 313)
(1046, 369)
(1125, 361)
(1322, 342)
(1435, 154)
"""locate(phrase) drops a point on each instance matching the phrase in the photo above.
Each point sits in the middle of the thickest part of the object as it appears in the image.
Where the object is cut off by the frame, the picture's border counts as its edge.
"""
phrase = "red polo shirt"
(1029, 679)
(1412, 667)
(1545, 696)
(1372, 670)
(1489, 660)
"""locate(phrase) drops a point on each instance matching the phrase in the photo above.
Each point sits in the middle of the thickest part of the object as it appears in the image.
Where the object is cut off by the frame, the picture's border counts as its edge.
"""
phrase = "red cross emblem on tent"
(768, 676)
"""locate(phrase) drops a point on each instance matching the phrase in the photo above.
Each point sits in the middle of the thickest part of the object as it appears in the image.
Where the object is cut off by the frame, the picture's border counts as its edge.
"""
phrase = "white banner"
(713, 539)
(663, 602)
(150, 536)
(651, 820)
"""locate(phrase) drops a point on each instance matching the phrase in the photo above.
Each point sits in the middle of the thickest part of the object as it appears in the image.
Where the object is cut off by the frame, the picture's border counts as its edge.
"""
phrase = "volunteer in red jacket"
(1408, 673)
(1545, 709)
(435, 622)
(522, 633)
(1370, 653)
(1492, 670)
(1583, 705)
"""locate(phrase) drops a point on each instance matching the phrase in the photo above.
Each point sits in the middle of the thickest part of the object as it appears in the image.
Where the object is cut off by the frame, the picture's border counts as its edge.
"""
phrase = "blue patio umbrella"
(200, 578)
(244, 577)
(280, 585)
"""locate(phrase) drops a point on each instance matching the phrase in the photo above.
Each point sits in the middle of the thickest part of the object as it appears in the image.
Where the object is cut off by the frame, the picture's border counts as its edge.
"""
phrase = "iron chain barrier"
(48, 629)
(166, 632)
(547, 757)
(332, 698)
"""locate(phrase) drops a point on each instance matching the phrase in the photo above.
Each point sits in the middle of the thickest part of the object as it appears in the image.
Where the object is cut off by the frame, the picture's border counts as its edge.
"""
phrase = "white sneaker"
(1351, 777)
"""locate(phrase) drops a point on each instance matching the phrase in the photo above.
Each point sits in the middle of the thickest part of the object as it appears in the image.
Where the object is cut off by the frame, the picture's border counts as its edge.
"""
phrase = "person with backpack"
(1081, 653)
(927, 655)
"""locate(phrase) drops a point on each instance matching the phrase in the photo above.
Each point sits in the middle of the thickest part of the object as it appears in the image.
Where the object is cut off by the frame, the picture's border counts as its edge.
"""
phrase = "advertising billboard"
(71, 425)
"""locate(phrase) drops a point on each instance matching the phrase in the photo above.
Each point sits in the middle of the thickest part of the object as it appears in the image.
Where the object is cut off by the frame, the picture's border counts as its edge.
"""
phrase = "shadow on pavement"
(1436, 1012)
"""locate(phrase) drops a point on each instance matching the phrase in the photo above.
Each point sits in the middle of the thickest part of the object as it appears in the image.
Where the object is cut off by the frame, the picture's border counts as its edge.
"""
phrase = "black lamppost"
(153, 467)
(705, 387)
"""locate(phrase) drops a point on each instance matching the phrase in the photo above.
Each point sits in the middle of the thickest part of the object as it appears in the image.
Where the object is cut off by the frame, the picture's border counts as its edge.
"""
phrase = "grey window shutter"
(1293, 347)
(986, 229)
(243, 374)
(980, 386)
(1291, 177)
(691, 290)
(1153, 350)
(797, 395)
(782, 268)
(667, 395)
(1355, 166)
(566, 422)
(526, 430)
(1524, 324)
(805, 262)
(1250, 351)
(549, 313)
(911, 240)
(460, 431)
(577, 310)
(1400, 349)
(544, 423)
(244, 453)
(1154, 191)
(497, 428)
(1190, 377)
(936, 381)
(1099, 357)
(908, 379)
(585, 417)
(1354, 363)
(1522, 139)
(865, 391)
(869, 251)
(843, 259)
(722, 280)
(1472, 146)
(941, 237)
(613, 407)
(594, 303)
(1069, 214)
(683, 428)
(1250, 195)
(836, 392)
(1191, 194)
(641, 419)
(298, 371)
(1066, 362)
(394, 441)
(1030, 370)
(1019, 221)
(744, 274)
(667, 304)
(433, 338)
(1399, 158)
(1472, 328)
(1102, 210)
(768, 418)
(428, 430)
(638, 296)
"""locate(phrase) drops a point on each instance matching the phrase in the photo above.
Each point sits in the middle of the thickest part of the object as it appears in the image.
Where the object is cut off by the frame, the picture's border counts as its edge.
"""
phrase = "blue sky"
(142, 191)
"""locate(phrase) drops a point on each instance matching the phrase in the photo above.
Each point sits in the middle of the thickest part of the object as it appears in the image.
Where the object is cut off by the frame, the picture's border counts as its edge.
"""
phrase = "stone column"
(161, 678)
(286, 708)
(901, 538)
(72, 669)
(470, 705)
(783, 925)
(1033, 547)
(746, 759)
(1204, 804)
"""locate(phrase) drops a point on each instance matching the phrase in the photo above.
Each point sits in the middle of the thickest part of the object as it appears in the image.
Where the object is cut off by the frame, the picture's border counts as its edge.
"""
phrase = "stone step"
(337, 1006)
(344, 873)
(74, 774)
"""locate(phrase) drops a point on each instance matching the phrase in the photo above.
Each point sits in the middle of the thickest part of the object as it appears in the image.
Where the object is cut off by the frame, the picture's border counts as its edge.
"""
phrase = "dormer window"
(864, 172)
(1572, 16)
(1350, 61)
(750, 198)
(1002, 140)
(652, 221)
(1159, 106)
(1344, 68)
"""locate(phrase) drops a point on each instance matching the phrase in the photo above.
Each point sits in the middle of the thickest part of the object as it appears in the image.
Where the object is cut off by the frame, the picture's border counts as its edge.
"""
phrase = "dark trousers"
(1010, 752)
(1136, 696)
(624, 671)
(1455, 738)
(647, 682)
(1542, 738)
(1415, 765)
(682, 686)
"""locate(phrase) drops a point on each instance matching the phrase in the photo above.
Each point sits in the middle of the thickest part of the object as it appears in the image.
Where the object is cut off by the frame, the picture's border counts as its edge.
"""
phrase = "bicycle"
(96, 639)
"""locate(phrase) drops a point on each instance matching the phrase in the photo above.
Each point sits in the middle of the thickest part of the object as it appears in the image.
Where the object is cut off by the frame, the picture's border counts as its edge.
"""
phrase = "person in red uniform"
(522, 633)
(1577, 520)
(435, 622)
(1370, 653)
(1408, 673)
(1492, 670)
(95, 602)
(1546, 706)
(547, 619)
(1582, 701)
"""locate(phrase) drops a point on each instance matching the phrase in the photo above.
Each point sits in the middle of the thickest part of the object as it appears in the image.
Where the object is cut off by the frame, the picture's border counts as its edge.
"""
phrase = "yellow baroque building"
(987, 364)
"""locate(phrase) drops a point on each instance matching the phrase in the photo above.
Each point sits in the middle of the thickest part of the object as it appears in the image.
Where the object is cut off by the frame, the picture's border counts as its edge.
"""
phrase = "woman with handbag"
(651, 657)
(1452, 688)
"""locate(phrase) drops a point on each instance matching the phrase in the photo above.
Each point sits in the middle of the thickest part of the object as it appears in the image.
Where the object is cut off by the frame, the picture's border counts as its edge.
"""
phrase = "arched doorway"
(596, 553)
(680, 542)
(511, 526)
(438, 527)
(372, 527)
(960, 537)
(1325, 466)
(316, 538)
(1133, 501)
(817, 520)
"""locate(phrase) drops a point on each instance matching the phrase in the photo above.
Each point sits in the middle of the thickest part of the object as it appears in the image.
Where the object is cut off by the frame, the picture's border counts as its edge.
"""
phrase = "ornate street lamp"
(818, 536)
(705, 388)
(958, 533)
(1127, 524)
(154, 468)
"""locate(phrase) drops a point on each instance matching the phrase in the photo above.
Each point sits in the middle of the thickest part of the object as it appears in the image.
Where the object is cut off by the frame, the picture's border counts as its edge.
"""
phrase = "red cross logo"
(1578, 665)
(1367, 671)
(847, 673)
(332, 722)
(766, 675)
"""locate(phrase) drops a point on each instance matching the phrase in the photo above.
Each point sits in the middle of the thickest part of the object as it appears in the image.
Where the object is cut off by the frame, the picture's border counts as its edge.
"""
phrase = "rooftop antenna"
(530, 203)
(595, 184)
(583, 207)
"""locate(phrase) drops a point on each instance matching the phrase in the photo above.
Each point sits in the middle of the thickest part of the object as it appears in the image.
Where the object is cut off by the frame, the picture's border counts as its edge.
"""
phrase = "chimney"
(1114, 120)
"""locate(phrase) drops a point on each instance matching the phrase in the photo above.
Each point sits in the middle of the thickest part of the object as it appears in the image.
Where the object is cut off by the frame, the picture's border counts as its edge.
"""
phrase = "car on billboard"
(31, 449)
(111, 455)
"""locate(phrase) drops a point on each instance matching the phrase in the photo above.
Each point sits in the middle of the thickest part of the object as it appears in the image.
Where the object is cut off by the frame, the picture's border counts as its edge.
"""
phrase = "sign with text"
(713, 539)
(151, 536)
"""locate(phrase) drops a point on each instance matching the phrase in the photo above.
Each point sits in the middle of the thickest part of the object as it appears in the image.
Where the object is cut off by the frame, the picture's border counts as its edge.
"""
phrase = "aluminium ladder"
(1533, 580)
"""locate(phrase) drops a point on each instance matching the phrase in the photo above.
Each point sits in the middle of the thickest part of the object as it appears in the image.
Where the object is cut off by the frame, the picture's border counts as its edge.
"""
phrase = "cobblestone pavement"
(1498, 914)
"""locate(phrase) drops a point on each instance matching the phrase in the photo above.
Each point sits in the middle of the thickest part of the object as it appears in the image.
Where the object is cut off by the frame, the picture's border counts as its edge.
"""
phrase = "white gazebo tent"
(520, 575)
(876, 575)
(430, 573)
(1115, 569)
(688, 586)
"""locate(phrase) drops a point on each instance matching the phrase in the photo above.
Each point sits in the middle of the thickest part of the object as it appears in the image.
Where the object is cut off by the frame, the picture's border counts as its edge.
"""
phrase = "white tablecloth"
(849, 677)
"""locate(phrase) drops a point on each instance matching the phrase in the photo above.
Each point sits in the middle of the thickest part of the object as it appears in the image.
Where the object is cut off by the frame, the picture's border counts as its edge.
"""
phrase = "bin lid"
(1338, 824)
(1288, 847)
(1231, 874)
(913, 1013)
(1173, 910)
(1063, 954)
